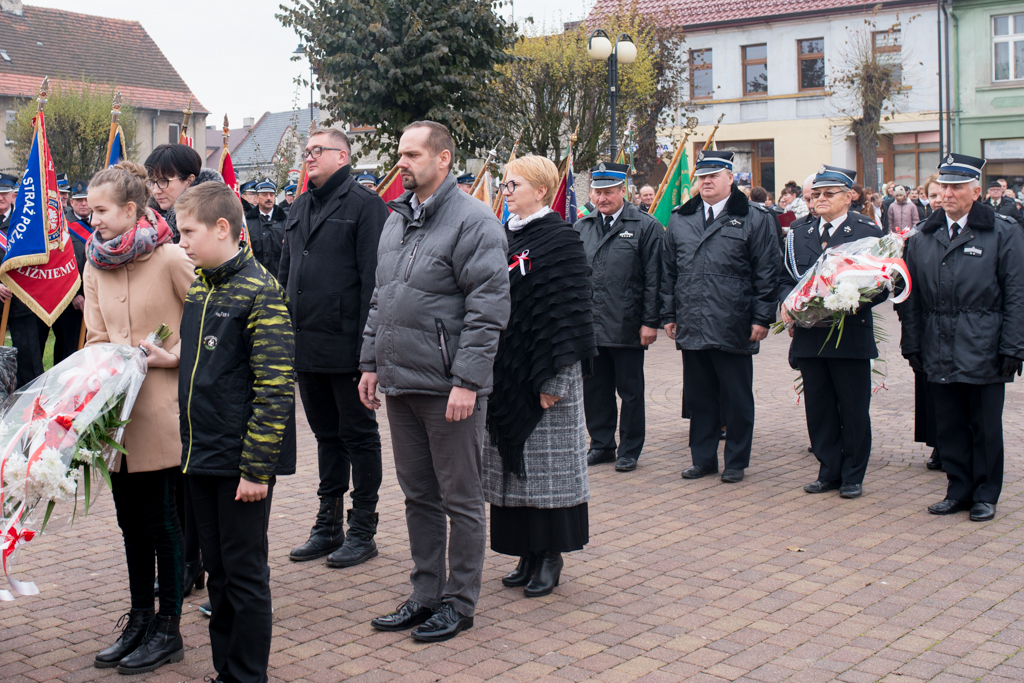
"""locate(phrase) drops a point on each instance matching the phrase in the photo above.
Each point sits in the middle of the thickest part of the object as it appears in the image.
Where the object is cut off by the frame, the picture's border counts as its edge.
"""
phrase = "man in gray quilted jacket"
(440, 302)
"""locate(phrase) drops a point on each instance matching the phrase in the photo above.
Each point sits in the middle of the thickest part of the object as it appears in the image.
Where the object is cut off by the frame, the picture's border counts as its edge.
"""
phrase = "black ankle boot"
(133, 627)
(195, 577)
(327, 534)
(162, 644)
(545, 577)
(523, 572)
(359, 545)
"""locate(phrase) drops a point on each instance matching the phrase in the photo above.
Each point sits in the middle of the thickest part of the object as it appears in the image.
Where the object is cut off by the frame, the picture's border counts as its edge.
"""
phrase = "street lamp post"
(624, 50)
(301, 49)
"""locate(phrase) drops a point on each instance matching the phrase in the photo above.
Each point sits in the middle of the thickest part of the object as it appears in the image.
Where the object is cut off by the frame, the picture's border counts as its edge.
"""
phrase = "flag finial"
(312, 124)
(44, 90)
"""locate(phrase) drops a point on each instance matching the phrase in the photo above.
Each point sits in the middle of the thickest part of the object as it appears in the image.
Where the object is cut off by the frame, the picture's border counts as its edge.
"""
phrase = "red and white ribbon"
(522, 261)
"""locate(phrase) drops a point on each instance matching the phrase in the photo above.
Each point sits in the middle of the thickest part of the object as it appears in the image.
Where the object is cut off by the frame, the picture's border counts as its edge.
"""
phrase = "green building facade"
(988, 71)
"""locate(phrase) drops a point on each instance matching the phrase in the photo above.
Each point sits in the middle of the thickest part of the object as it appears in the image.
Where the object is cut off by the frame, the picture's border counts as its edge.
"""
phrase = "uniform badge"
(625, 233)
(973, 251)
(950, 159)
(734, 222)
(601, 166)
(810, 230)
(822, 169)
(700, 156)
(210, 342)
(847, 230)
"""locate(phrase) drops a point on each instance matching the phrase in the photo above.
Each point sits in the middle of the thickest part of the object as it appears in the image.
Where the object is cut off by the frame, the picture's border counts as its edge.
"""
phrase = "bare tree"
(869, 86)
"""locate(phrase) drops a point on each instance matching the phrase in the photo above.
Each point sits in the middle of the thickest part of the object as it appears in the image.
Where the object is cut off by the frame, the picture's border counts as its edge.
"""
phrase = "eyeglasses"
(826, 195)
(162, 183)
(315, 152)
(509, 187)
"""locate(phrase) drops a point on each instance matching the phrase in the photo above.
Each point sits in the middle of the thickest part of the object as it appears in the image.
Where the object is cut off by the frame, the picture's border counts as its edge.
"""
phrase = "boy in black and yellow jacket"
(237, 405)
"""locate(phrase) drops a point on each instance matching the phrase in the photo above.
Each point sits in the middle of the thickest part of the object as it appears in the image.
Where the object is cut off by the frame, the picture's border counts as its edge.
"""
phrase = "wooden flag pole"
(3, 322)
(383, 184)
(498, 196)
(711, 138)
(483, 169)
(664, 181)
(186, 118)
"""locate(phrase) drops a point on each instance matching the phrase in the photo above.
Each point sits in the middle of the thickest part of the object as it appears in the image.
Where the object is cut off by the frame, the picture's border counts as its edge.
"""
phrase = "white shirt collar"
(615, 216)
(717, 208)
(835, 224)
(269, 215)
(417, 205)
(75, 214)
(961, 222)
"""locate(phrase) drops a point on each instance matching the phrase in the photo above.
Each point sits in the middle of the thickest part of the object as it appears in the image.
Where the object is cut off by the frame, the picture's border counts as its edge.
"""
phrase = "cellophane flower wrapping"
(846, 276)
(59, 437)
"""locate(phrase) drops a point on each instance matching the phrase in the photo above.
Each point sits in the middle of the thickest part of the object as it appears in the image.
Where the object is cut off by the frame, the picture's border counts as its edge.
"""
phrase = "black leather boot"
(545, 578)
(162, 644)
(327, 534)
(523, 572)
(133, 627)
(359, 545)
(195, 577)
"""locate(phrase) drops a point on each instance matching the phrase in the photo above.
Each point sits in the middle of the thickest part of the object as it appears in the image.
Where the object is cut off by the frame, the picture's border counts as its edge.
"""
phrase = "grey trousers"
(438, 464)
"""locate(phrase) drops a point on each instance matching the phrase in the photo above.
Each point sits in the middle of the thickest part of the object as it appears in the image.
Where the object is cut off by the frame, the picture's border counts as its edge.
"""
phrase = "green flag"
(677, 190)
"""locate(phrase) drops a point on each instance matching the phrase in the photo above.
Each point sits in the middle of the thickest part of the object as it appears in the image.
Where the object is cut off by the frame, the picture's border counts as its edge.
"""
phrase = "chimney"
(247, 122)
(12, 7)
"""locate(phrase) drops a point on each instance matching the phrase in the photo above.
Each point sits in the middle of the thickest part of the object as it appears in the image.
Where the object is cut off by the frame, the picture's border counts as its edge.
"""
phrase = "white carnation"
(14, 476)
(845, 297)
(52, 478)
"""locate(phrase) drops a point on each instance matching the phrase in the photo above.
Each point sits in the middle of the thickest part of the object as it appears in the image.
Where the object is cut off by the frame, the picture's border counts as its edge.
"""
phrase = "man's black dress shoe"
(949, 507)
(444, 625)
(625, 464)
(983, 512)
(407, 615)
(732, 476)
(851, 491)
(821, 486)
(596, 456)
(698, 471)
(934, 462)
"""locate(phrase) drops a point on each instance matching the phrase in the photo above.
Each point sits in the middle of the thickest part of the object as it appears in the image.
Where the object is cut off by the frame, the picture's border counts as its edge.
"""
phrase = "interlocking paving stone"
(682, 580)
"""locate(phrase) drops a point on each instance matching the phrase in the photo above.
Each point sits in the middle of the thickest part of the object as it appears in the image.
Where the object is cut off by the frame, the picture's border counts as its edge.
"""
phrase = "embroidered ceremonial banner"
(39, 264)
(393, 189)
(565, 196)
(116, 153)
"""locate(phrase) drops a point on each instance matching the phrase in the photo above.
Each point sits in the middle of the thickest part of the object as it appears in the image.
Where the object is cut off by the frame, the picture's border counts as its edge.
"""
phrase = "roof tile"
(695, 13)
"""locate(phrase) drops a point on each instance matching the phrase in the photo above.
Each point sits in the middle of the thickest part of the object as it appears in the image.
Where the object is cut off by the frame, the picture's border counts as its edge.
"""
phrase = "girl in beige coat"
(136, 280)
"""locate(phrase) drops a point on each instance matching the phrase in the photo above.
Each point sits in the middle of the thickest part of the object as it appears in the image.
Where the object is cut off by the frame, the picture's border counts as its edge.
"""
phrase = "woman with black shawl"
(534, 461)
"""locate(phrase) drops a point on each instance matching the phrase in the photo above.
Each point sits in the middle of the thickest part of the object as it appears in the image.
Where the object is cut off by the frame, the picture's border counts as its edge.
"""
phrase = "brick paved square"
(682, 580)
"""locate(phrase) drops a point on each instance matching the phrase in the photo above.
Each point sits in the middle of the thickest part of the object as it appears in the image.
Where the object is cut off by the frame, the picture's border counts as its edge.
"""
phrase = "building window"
(1008, 47)
(887, 50)
(755, 69)
(12, 118)
(173, 133)
(753, 161)
(906, 158)
(701, 86)
(812, 63)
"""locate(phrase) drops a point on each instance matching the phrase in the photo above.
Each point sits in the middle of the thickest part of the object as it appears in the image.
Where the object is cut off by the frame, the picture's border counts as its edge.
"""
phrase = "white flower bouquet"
(58, 435)
(843, 279)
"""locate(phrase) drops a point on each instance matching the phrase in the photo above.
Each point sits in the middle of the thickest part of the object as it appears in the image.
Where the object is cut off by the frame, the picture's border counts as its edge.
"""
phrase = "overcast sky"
(234, 54)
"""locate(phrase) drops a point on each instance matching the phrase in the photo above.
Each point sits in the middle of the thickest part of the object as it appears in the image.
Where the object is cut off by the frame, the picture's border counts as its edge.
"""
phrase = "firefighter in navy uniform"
(67, 329)
(719, 293)
(247, 192)
(289, 198)
(963, 326)
(623, 248)
(836, 377)
(266, 226)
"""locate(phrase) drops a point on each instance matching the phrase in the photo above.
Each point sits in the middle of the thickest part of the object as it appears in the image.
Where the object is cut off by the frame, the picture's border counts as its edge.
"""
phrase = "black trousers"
(347, 437)
(187, 518)
(969, 425)
(67, 329)
(28, 334)
(837, 397)
(233, 539)
(622, 371)
(717, 387)
(148, 517)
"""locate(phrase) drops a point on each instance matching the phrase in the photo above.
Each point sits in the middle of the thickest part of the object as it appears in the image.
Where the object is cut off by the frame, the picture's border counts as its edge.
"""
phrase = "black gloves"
(915, 362)
(1012, 365)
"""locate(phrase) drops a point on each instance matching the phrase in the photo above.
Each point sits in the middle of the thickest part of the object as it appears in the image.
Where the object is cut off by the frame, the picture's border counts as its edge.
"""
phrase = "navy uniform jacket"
(803, 247)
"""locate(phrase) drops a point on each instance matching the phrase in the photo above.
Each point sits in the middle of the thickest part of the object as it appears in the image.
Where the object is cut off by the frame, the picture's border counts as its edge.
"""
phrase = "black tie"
(608, 220)
(824, 235)
(711, 218)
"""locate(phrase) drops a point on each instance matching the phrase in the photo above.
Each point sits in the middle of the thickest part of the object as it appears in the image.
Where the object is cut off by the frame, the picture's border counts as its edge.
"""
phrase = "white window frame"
(1009, 39)
(10, 119)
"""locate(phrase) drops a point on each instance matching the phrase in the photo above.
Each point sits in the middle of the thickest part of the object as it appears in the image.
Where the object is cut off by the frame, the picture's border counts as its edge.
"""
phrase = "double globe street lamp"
(600, 47)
